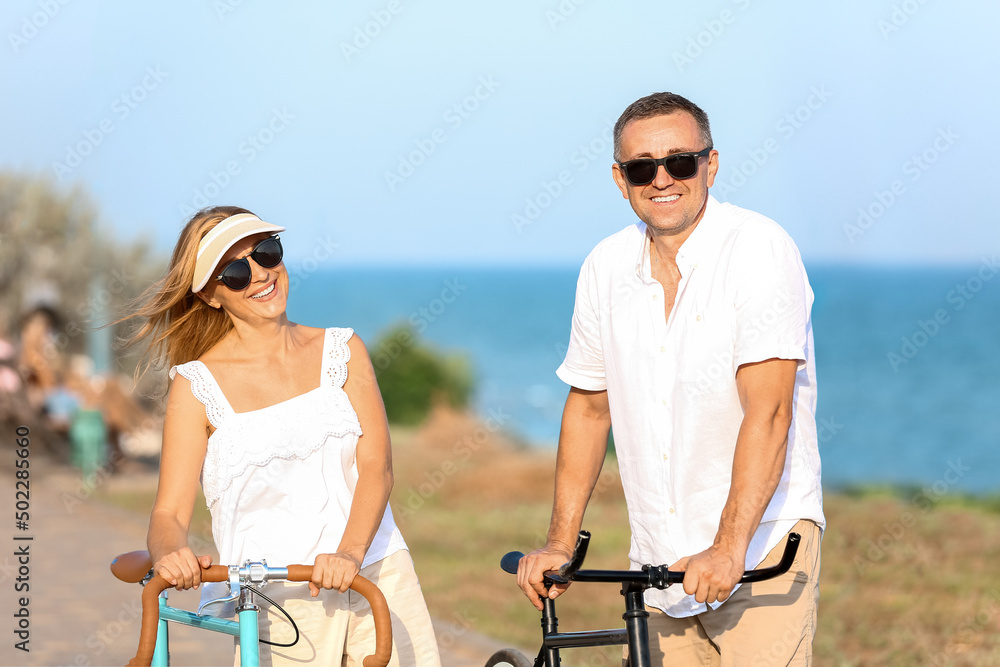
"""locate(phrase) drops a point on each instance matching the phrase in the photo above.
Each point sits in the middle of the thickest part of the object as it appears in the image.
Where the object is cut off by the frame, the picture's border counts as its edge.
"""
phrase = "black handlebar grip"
(787, 558)
(510, 560)
(579, 554)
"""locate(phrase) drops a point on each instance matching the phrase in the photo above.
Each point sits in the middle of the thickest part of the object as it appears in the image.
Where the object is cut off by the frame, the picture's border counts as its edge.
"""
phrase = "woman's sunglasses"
(679, 165)
(238, 273)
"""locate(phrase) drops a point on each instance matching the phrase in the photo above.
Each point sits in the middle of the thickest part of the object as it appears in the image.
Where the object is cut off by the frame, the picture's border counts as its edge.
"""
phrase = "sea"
(907, 361)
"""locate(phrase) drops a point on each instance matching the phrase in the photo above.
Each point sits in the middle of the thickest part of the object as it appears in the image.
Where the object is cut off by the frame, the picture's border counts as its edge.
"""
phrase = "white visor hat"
(220, 239)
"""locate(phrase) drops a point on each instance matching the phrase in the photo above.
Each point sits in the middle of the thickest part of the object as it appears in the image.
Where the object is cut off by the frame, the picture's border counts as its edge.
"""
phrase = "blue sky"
(419, 132)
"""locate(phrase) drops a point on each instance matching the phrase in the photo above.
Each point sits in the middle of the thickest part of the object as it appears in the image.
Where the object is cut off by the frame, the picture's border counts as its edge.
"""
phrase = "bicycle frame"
(245, 628)
(633, 634)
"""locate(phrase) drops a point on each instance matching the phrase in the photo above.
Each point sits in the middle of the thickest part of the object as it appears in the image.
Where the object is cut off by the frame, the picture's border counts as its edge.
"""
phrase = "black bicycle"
(634, 582)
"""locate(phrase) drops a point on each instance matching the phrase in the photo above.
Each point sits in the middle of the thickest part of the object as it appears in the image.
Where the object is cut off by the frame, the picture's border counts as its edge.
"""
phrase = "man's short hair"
(661, 104)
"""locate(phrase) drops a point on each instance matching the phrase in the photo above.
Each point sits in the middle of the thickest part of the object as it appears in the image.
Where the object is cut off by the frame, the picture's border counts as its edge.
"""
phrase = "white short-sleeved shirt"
(743, 297)
(279, 481)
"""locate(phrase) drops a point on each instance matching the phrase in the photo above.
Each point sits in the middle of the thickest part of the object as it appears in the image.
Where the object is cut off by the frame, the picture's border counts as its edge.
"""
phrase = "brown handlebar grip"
(132, 567)
(380, 613)
(151, 612)
(157, 584)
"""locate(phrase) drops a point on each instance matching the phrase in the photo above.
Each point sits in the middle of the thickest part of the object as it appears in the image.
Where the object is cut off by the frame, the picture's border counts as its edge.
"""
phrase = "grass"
(923, 592)
(904, 582)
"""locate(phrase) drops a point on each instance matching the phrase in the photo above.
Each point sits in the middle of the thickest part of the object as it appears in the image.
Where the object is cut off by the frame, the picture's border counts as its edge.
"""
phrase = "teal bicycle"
(245, 582)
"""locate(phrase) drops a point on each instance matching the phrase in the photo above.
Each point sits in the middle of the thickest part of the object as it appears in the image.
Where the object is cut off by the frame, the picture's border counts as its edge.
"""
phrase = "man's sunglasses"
(238, 273)
(681, 166)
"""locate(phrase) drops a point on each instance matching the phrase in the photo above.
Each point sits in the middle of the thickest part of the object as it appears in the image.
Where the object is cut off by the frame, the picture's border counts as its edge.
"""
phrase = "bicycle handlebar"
(134, 566)
(651, 576)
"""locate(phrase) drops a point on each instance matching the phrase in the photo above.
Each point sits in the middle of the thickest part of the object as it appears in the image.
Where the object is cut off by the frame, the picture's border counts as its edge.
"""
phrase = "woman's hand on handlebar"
(531, 571)
(182, 569)
(334, 571)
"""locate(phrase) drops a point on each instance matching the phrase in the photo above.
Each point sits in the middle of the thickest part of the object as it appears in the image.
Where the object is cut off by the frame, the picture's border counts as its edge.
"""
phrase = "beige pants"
(766, 624)
(338, 629)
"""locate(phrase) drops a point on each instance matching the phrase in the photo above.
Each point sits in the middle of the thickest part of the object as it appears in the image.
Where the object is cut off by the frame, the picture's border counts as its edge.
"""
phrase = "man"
(692, 334)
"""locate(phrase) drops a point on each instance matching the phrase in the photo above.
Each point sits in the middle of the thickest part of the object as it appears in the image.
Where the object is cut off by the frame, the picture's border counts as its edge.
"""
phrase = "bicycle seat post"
(636, 625)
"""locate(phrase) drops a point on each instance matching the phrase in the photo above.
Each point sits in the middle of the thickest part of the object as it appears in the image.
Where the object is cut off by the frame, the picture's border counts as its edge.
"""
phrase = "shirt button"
(663, 348)
(698, 318)
(671, 510)
(665, 457)
(664, 401)
(654, 297)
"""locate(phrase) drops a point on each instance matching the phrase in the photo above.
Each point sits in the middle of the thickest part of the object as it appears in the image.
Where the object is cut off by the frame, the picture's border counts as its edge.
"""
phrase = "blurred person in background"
(39, 358)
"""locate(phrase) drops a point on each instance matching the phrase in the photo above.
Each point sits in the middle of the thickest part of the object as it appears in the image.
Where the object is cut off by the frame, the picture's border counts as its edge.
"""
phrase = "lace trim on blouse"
(205, 389)
(255, 438)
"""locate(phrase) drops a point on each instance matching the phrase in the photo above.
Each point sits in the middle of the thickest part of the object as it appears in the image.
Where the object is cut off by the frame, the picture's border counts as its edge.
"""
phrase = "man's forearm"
(583, 444)
(757, 466)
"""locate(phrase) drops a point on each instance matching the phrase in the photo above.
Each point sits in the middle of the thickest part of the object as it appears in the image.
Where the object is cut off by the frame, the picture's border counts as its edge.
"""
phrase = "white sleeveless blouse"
(279, 481)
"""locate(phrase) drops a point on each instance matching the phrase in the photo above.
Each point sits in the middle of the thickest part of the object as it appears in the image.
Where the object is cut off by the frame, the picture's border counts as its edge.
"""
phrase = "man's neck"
(664, 247)
(667, 245)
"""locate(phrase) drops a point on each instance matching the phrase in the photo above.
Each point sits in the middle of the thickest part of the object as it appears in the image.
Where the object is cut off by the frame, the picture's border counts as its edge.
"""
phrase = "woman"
(285, 426)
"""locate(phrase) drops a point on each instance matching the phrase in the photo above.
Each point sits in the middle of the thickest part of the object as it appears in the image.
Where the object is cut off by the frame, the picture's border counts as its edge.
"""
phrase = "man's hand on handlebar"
(531, 570)
(710, 575)
(182, 569)
(334, 571)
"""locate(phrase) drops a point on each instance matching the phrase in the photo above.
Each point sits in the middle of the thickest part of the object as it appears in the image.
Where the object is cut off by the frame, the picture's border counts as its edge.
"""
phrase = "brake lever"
(234, 591)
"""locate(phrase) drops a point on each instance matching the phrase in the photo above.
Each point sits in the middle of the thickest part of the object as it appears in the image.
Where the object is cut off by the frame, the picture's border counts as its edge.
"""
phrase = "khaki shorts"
(338, 629)
(766, 624)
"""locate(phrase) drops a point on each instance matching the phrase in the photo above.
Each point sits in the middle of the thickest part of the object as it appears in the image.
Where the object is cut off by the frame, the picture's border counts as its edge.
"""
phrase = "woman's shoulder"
(340, 336)
(186, 369)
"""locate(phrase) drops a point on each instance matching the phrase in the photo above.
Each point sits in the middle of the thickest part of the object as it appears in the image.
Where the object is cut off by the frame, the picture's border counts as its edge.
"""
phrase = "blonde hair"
(178, 325)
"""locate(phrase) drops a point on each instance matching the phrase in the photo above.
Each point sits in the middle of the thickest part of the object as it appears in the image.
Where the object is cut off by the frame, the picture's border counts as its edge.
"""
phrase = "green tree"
(414, 376)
